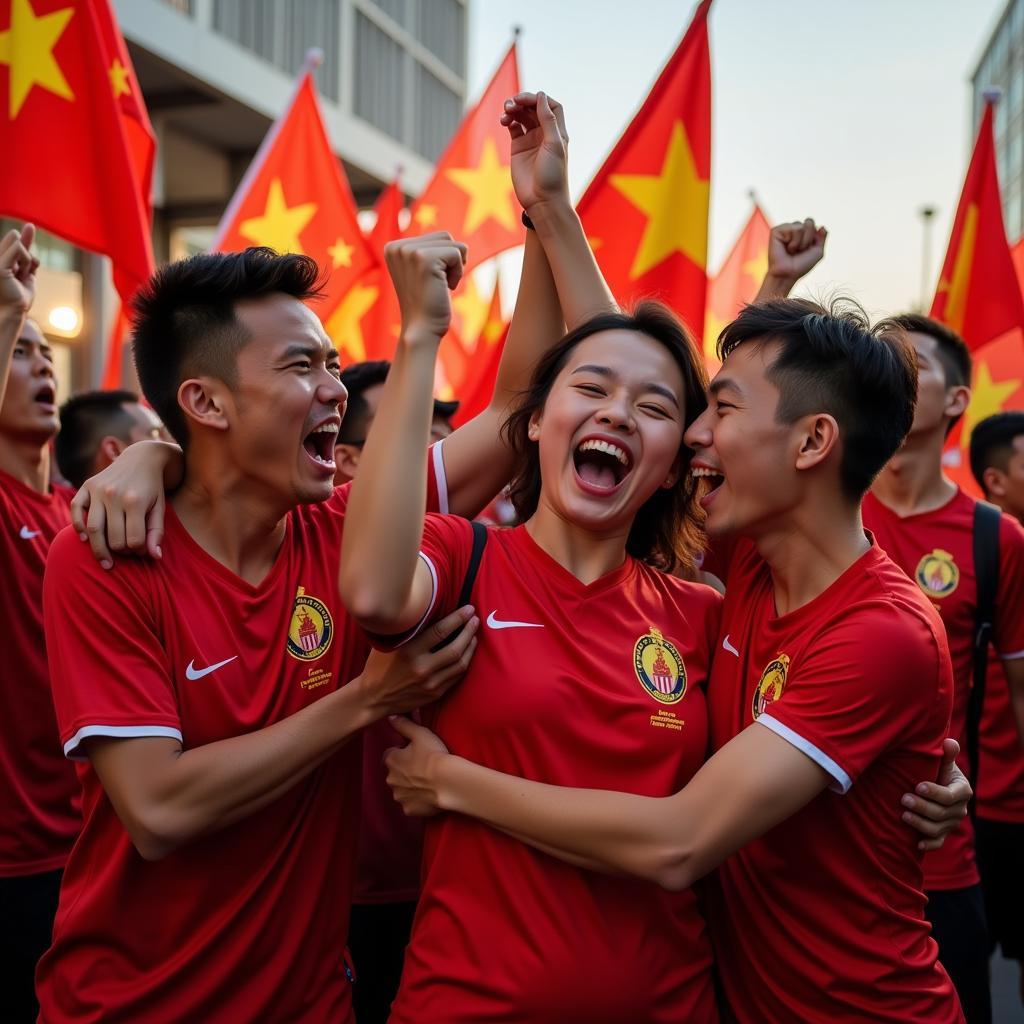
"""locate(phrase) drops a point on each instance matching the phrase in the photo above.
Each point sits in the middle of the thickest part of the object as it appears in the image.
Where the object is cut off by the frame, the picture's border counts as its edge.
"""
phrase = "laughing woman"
(591, 668)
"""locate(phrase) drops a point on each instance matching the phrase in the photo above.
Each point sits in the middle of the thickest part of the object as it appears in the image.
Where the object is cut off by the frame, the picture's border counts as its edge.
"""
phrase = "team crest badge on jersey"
(311, 630)
(770, 685)
(937, 574)
(659, 667)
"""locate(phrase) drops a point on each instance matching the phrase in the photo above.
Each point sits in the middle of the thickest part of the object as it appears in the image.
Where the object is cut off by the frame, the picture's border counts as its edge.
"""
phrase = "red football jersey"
(821, 919)
(40, 812)
(249, 922)
(575, 685)
(1000, 783)
(936, 549)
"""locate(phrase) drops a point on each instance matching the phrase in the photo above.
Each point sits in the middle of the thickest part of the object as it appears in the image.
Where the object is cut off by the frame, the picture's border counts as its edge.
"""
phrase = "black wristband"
(527, 221)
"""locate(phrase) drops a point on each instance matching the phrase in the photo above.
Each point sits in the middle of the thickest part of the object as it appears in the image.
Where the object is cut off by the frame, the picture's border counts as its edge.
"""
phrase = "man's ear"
(957, 400)
(346, 458)
(819, 439)
(109, 449)
(994, 482)
(203, 401)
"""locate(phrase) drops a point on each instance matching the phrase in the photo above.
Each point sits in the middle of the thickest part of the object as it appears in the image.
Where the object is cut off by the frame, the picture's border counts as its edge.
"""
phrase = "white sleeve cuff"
(116, 732)
(842, 781)
(418, 628)
(1011, 656)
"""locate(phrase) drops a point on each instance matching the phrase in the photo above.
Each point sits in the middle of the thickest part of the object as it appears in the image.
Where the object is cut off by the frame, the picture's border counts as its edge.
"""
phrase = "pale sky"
(854, 112)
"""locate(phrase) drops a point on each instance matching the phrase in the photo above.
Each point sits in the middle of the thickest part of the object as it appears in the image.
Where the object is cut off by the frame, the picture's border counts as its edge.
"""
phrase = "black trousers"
(958, 924)
(377, 936)
(28, 905)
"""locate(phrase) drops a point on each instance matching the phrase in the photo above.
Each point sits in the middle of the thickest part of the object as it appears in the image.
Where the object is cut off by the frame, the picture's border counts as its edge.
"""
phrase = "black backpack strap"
(479, 543)
(986, 572)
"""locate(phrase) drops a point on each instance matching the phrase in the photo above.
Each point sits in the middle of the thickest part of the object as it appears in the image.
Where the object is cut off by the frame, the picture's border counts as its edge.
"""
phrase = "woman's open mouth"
(601, 466)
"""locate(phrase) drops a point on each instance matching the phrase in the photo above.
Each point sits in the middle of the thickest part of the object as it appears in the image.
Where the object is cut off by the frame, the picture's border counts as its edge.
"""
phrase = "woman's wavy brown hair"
(668, 529)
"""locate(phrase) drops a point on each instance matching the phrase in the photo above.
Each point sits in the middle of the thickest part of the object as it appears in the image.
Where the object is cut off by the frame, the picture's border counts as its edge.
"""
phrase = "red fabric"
(87, 115)
(504, 933)
(39, 794)
(821, 919)
(479, 210)
(737, 282)
(385, 318)
(978, 294)
(296, 167)
(477, 386)
(1000, 785)
(660, 250)
(250, 922)
(913, 542)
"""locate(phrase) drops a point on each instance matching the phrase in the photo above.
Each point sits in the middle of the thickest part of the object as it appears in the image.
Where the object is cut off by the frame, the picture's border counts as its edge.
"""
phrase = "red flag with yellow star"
(978, 294)
(295, 198)
(69, 99)
(477, 385)
(471, 192)
(646, 211)
(737, 281)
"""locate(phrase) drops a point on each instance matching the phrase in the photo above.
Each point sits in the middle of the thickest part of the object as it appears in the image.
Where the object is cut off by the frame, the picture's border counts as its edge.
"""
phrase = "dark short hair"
(86, 419)
(832, 361)
(951, 349)
(992, 443)
(358, 378)
(668, 529)
(185, 325)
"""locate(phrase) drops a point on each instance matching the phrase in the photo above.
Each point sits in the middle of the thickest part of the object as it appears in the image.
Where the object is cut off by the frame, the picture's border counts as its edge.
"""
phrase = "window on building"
(282, 31)
(438, 110)
(441, 28)
(185, 6)
(380, 78)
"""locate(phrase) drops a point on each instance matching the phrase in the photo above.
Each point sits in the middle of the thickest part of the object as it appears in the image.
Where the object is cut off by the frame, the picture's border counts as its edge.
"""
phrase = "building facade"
(215, 74)
(1001, 66)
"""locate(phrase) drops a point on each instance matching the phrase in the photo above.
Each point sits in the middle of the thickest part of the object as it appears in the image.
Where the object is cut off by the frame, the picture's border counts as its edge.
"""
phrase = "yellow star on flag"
(426, 215)
(472, 308)
(987, 397)
(489, 187)
(675, 202)
(756, 267)
(27, 49)
(279, 226)
(344, 325)
(340, 253)
(713, 327)
(119, 81)
(957, 287)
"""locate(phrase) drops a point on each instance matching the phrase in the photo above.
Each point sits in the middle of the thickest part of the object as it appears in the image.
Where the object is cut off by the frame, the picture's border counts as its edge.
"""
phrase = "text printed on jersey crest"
(659, 667)
(311, 630)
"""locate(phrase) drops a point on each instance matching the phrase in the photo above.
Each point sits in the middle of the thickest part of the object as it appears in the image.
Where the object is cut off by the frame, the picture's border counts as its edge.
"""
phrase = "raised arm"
(794, 250)
(17, 290)
(477, 462)
(382, 581)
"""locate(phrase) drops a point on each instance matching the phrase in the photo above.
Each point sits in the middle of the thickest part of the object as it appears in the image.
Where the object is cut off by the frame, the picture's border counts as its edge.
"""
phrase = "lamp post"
(927, 216)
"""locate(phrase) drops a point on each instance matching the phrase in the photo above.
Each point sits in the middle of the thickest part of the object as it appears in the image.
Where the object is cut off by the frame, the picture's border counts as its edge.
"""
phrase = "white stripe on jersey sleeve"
(418, 628)
(116, 732)
(1012, 656)
(843, 781)
(439, 477)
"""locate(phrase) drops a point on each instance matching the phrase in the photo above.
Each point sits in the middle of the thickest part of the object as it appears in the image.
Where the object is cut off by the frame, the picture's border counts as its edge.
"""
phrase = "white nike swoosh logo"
(729, 647)
(495, 623)
(27, 534)
(197, 673)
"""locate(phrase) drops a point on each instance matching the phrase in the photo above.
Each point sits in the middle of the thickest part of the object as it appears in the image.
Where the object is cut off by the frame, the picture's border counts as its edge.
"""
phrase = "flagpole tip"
(314, 57)
(517, 31)
(992, 95)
